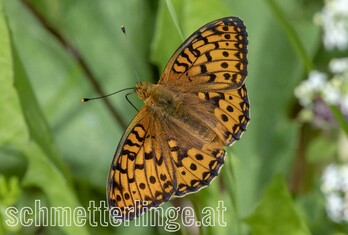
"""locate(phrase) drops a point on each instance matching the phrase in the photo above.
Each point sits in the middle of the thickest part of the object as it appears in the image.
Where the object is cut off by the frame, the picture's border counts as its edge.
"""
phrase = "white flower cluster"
(311, 88)
(334, 20)
(323, 89)
(333, 91)
(335, 189)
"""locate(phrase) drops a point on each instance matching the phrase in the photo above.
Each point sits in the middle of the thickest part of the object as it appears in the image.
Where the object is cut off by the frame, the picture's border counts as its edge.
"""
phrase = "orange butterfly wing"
(141, 174)
(215, 55)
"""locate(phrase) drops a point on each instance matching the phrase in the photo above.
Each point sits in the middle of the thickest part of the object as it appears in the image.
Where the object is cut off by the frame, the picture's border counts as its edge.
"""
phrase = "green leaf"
(54, 187)
(25, 119)
(13, 132)
(12, 126)
(276, 213)
(9, 190)
(43, 160)
(35, 120)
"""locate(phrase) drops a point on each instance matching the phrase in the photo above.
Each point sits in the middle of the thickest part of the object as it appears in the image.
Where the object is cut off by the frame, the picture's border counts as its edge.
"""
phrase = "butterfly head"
(144, 90)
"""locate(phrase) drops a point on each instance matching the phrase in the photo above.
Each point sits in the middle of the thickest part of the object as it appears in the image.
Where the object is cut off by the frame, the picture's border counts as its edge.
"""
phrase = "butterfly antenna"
(123, 29)
(131, 101)
(104, 96)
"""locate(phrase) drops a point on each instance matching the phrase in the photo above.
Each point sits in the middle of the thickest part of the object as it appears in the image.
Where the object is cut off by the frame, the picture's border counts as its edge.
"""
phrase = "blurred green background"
(57, 149)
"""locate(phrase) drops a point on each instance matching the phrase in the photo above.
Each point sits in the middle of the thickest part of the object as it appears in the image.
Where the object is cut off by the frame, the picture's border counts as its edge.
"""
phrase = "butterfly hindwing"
(196, 160)
(231, 109)
(196, 168)
(140, 176)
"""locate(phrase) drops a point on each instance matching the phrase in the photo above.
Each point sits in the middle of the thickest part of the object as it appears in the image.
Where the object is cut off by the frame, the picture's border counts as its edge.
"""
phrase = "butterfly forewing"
(215, 57)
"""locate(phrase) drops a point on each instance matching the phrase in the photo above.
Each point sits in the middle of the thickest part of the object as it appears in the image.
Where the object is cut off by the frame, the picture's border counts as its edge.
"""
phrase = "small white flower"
(331, 94)
(339, 6)
(334, 20)
(311, 87)
(335, 189)
(334, 206)
(330, 179)
(339, 65)
(317, 80)
(304, 93)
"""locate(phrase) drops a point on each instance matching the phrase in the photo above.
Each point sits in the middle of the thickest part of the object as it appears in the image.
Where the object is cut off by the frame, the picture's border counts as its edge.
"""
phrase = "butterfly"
(174, 145)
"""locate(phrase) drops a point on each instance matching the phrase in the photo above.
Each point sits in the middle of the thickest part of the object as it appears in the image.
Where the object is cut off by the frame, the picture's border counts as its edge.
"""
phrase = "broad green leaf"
(276, 213)
(43, 163)
(35, 120)
(12, 126)
(13, 130)
(55, 187)
(42, 171)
